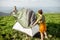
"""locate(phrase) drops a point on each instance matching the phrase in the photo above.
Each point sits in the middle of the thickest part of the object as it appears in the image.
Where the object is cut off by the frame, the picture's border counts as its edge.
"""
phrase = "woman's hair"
(40, 11)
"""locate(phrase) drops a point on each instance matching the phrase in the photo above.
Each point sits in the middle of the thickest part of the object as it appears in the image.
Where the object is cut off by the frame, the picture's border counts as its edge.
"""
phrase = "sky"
(30, 3)
(45, 5)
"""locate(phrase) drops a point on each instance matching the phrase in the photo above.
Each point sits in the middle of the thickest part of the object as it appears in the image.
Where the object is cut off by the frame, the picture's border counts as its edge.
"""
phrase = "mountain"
(4, 14)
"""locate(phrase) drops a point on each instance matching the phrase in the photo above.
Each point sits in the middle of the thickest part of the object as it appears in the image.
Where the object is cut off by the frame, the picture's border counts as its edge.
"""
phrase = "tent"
(25, 19)
(29, 31)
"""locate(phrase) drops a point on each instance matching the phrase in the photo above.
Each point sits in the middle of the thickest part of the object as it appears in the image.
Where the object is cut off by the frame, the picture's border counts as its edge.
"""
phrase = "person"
(14, 10)
(42, 24)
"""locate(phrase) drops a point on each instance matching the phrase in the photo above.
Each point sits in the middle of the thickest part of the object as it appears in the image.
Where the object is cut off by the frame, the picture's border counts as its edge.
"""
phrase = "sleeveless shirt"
(40, 17)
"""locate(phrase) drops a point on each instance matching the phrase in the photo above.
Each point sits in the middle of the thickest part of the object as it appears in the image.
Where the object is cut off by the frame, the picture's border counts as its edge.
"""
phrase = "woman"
(42, 24)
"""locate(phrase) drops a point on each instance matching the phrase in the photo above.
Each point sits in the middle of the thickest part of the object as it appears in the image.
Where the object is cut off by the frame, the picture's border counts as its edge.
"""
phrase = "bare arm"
(38, 20)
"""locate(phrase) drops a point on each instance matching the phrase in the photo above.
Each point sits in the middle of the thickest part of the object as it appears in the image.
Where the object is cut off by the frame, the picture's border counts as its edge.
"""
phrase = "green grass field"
(7, 33)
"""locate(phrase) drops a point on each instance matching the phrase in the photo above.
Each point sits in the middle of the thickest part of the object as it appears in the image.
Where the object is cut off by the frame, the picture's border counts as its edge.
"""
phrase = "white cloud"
(30, 3)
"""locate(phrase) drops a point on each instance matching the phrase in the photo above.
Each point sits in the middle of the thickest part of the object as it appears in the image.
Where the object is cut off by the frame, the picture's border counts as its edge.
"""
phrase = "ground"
(7, 33)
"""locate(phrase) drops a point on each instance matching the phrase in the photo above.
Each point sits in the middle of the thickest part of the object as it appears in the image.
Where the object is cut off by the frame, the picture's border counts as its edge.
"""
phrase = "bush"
(7, 33)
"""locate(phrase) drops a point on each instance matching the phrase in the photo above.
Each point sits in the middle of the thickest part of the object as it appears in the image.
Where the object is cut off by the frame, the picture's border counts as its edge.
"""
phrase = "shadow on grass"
(37, 35)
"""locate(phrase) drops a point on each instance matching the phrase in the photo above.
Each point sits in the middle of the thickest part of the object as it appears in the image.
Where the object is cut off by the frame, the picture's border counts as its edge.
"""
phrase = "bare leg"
(45, 35)
(42, 37)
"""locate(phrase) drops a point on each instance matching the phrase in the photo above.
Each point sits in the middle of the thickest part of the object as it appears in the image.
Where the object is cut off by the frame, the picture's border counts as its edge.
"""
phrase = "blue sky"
(30, 3)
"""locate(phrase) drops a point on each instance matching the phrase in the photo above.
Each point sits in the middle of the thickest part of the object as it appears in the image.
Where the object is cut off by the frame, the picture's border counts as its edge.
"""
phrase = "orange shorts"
(42, 27)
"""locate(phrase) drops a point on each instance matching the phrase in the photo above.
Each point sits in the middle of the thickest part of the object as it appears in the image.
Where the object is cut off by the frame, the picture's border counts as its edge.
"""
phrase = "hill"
(7, 33)
(4, 14)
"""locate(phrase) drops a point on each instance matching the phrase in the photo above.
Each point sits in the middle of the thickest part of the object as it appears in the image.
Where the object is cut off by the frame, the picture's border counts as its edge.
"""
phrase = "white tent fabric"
(30, 31)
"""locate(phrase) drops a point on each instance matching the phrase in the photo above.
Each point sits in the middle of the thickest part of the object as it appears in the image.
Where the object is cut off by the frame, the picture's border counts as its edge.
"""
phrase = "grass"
(7, 33)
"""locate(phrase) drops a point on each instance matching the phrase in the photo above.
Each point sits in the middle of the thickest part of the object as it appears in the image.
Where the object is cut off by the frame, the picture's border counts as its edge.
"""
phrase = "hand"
(32, 25)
